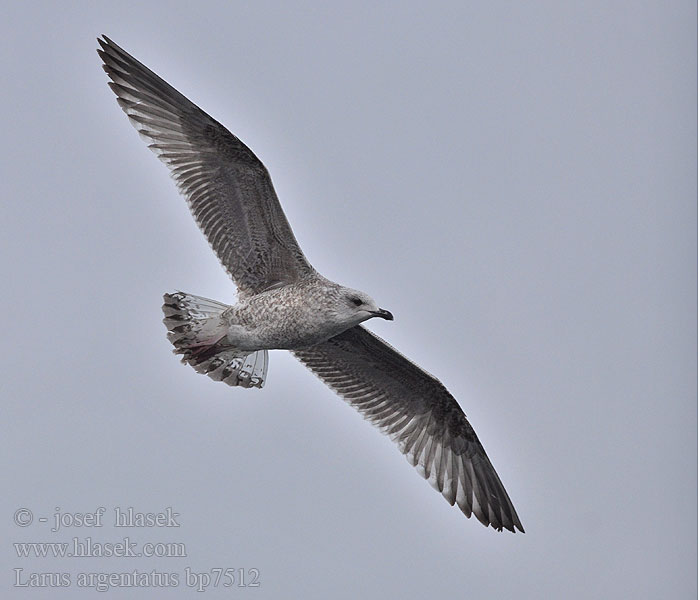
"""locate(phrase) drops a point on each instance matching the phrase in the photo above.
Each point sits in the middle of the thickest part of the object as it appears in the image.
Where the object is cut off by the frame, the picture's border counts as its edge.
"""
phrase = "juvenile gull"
(283, 303)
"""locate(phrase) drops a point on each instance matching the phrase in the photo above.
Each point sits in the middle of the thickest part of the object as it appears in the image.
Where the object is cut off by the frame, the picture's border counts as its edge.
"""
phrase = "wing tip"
(510, 522)
(499, 516)
(105, 42)
(104, 48)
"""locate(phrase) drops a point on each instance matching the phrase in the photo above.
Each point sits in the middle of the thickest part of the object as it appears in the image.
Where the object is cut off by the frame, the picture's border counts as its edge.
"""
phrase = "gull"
(284, 303)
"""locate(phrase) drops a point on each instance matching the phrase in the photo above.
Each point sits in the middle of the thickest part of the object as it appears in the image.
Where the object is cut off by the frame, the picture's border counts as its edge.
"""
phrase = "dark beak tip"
(385, 314)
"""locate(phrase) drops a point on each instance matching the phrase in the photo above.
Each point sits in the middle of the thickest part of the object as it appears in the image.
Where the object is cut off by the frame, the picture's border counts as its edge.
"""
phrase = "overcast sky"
(516, 182)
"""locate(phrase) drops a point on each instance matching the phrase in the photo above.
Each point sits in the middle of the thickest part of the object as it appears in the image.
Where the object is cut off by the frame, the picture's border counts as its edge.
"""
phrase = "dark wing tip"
(512, 526)
(499, 514)
(105, 44)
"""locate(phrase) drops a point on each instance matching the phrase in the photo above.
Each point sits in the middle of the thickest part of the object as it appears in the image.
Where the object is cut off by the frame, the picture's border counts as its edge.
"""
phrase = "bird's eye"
(356, 301)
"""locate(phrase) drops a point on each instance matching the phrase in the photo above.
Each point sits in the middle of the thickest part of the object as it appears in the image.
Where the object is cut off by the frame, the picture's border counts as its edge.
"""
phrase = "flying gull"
(283, 303)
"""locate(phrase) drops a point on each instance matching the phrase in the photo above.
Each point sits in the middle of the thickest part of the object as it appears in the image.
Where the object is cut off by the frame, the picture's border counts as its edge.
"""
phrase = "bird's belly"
(286, 335)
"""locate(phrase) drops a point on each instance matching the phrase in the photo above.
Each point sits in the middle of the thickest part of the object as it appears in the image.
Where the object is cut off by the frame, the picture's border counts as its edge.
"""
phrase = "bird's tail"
(197, 329)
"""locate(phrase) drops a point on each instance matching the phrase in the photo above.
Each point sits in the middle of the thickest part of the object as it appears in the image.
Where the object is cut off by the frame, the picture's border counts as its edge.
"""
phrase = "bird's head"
(352, 307)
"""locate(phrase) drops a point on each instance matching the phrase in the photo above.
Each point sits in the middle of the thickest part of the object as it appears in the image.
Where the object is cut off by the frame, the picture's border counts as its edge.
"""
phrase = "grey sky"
(516, 182)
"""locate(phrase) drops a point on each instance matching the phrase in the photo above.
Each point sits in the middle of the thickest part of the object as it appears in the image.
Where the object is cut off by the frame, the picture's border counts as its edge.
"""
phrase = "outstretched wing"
(420, 415)
(228, 189)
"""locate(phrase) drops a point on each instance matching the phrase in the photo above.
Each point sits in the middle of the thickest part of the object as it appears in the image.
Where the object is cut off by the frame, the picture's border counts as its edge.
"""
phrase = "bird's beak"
(384, 314)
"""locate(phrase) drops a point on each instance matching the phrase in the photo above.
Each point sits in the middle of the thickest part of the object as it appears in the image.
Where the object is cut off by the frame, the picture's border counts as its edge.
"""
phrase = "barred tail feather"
(192, 321)
(234, 367)
(197, 329)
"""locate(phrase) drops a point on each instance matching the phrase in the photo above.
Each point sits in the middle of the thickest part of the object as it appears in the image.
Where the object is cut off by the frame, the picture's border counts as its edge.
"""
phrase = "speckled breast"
(287, 318)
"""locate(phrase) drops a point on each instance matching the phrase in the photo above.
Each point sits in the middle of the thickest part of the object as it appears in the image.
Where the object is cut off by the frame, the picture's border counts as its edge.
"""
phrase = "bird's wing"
(228, 189)
(420, 415)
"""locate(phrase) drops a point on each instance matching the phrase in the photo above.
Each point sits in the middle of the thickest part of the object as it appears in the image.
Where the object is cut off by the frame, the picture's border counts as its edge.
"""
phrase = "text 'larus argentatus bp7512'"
(284, 303)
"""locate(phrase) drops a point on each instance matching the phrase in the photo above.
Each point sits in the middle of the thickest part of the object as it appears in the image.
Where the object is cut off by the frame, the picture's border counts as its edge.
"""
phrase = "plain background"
(516, 182)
